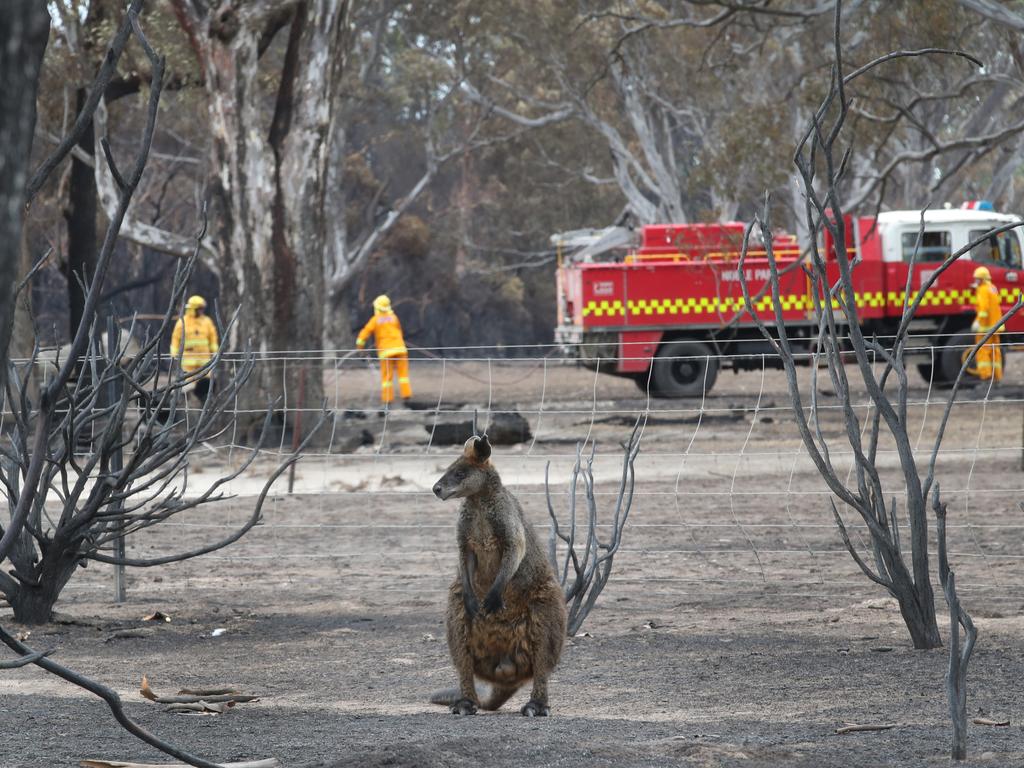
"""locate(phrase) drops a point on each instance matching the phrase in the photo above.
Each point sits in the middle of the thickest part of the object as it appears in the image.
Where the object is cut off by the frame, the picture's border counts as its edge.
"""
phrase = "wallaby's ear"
(482, 448)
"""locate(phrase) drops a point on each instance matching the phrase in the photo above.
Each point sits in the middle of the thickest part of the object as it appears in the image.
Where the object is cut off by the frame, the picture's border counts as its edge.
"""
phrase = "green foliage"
(725, 102)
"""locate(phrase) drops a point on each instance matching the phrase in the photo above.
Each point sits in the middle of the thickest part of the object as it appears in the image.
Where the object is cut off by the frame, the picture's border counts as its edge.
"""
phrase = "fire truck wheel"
(952, 357)
(684, 369)
(645, 383)
(931, 374)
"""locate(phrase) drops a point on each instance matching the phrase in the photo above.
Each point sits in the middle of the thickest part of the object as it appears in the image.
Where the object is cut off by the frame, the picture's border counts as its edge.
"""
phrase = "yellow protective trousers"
(988, 362)
(389, 366)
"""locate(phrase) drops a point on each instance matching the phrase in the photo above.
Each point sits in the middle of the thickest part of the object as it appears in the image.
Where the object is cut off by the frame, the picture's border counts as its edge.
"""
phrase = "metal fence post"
(297, 426)
(117, 459)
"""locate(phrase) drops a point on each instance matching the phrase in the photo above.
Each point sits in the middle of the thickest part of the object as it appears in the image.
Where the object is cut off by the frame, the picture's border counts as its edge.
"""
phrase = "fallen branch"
(128, 634)
(270, 762)
(209, 697)
(869, 727)
(987, 721)
(206, 691)
(113, 702)
(201, 707)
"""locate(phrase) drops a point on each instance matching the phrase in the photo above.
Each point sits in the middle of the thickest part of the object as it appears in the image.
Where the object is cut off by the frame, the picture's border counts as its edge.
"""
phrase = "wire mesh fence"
(726, 498)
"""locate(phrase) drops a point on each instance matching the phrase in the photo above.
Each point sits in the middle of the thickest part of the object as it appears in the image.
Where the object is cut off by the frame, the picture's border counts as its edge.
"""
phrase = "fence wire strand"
(725, 497)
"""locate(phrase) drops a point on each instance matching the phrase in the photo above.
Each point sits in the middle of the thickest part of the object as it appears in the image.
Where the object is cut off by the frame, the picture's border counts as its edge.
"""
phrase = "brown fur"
(506, 613)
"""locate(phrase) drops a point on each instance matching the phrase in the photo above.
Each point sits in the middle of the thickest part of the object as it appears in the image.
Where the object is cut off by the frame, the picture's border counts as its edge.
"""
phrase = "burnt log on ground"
(505, 428)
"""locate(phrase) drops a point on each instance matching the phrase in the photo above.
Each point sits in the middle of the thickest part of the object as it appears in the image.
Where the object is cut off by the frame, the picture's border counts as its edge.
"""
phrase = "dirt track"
(734, 632)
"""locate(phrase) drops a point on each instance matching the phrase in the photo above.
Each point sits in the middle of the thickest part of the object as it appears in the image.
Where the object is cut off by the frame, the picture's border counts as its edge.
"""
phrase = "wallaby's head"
(467, 475)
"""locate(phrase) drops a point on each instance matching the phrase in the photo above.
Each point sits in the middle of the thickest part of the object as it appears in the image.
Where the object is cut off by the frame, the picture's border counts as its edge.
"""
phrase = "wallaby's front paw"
(472, 607)
(464, 707)
(534, 708)
(493, 602)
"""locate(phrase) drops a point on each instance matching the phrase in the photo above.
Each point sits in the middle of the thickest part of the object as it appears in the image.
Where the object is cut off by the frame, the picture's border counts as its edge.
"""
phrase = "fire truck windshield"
(934, 246)
(1002, 249)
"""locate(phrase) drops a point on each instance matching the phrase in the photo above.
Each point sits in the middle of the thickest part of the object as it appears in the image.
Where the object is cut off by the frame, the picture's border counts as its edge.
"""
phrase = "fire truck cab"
(668, 309)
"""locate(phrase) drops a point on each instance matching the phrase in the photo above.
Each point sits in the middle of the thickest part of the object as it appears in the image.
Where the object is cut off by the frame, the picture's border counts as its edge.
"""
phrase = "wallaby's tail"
(445, 697)
(499, 694)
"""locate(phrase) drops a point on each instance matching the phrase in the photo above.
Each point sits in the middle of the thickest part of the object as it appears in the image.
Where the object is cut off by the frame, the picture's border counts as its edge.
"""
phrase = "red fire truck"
(667, 308)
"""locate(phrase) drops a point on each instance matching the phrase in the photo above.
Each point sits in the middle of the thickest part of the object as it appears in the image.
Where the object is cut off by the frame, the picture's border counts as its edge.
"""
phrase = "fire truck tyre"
(931, 374)
(952, 357)
(684, 369)
(645, 381)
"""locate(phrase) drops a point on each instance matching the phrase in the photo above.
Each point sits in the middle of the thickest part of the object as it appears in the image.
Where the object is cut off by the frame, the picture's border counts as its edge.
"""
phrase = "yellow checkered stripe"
(944, 298)
(604, 308)
(704, 305)
(937, 298)
(712, 305)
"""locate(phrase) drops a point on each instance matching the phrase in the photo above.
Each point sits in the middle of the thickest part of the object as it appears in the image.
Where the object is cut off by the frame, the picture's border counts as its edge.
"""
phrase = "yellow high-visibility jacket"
(387, 335)
(986, 301)
(200, 340)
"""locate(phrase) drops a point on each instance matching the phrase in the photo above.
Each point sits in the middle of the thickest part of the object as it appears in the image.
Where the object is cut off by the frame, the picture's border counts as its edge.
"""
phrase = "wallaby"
(506, 613)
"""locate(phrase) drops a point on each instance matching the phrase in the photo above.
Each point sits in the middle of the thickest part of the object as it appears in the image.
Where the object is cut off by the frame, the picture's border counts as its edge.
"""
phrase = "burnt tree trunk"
(270, 185)
(81, 225)
(919, 617)
(32, 603)
(24, 29)
(338, 331)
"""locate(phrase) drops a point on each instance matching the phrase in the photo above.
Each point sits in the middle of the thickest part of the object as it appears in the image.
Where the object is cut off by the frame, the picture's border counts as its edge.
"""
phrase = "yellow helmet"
(194, 302)
(982, 273)
(382, 303)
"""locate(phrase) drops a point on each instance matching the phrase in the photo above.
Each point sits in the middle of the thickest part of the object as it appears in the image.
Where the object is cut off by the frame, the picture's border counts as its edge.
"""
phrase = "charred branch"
(592, 565)
(133, 228)
(99, 86)
(108, 695)
(134, 419)
(959, 656)
(54, 387)
(821, 165)
(836, 312)
(24, 661)
(24, 28)
(113, 400)
(254, 519)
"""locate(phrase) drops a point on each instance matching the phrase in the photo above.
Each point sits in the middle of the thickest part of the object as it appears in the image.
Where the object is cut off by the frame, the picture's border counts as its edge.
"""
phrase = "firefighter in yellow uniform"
(989, 359)
(199, 335)
(394, 357)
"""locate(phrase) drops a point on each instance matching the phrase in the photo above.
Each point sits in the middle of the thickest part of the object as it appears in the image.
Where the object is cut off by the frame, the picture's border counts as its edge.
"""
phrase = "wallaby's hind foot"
(534, 708)
(464, 707)
(450, 697)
